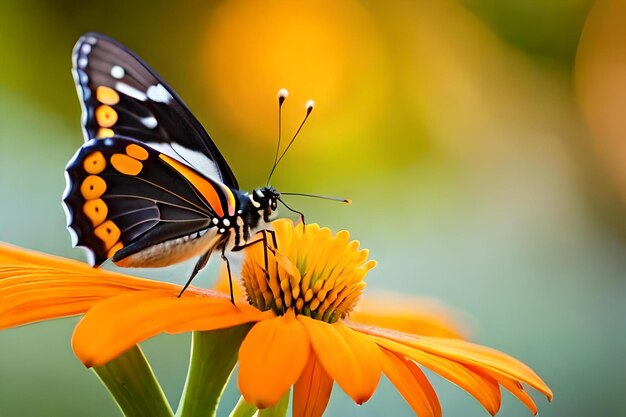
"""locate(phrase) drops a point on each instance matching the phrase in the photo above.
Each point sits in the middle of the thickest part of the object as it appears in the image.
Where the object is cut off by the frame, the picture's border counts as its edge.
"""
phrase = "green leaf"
(133, 386)
(213, 357)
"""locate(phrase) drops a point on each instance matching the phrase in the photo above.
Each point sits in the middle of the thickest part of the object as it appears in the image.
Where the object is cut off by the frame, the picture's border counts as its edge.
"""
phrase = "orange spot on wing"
(204, 186)
(115, 248)
(125, 164)
(107, 95)
(96, 210)
(137, 152)
(93, 187)
(104, 132)
(106, 116)
(108, 233)
(95, 163)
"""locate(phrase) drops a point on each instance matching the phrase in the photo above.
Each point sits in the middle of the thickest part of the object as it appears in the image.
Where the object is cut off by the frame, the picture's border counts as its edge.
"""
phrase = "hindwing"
(122, 195)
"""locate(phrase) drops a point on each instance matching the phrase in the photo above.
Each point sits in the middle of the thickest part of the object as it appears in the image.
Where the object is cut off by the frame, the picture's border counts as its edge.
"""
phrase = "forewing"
(123, 194)
(122, 95)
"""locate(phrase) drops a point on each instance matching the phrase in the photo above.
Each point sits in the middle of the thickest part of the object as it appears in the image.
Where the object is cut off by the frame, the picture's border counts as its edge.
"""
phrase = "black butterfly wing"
(123, 197)
(122, 95)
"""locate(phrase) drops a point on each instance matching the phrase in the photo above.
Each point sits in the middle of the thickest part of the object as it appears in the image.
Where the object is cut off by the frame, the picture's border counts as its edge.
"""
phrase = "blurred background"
(483, 144)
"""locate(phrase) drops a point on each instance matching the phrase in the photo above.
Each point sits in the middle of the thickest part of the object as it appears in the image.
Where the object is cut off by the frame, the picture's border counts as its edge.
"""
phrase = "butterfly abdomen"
(169, 252)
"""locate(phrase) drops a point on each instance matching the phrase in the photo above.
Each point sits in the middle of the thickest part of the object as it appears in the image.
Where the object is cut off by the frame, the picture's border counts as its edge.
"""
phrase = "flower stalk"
(132, 384)
(213, 357)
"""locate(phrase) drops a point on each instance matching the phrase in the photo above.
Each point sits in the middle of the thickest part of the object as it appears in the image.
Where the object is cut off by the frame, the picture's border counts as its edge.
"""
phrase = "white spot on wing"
(86, 48)
(82, 62)
(91, 259)
(149, 122)
(73, 235)
(159, 93)
(68, 186)
(199, 160)
(130, 91)
(91, 256)
(117, 72)
(196, 159)
(91, 40)
(83, 78)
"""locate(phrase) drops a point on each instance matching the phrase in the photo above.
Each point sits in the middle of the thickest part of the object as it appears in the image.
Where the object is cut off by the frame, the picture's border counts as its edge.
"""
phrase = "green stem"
(133, 386)
(277, 410)
(213, 357)
(243, 409)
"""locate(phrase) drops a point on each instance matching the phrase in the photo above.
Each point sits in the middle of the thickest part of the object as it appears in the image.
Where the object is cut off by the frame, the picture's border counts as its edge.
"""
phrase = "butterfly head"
(265, 199)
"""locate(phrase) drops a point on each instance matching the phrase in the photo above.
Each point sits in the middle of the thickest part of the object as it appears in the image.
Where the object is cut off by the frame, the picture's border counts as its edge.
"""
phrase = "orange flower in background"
(301, 335)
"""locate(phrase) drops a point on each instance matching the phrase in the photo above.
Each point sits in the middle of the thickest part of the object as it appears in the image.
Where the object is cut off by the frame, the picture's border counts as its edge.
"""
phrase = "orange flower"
(301, 335)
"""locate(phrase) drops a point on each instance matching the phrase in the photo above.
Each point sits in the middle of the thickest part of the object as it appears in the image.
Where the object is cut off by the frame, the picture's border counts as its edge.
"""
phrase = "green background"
(452, 125)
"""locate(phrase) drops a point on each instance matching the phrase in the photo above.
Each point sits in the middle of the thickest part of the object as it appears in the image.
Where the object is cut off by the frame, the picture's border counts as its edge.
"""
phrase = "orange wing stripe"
(202, 184)
(230, 198)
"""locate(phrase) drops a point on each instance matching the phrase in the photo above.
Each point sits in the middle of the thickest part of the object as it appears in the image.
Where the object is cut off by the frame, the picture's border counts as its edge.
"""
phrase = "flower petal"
(223, 285)
(416, 315)
(516, 389)
(312, 391)
(36, 287)
(348, 357)
(484, 389)
(467, 353)
(115, 325)
(271, 359)
(486, 358)
(411, 384)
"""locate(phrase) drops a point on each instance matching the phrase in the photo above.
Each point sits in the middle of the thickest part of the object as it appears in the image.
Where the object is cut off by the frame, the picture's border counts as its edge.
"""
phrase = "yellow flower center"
(311, 271)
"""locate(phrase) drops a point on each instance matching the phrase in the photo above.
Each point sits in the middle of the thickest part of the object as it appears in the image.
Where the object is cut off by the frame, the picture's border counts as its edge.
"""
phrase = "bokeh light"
(326, 51)
(601, 87)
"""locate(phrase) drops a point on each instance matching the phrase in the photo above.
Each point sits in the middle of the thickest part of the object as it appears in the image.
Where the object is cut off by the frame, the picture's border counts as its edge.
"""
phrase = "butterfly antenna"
(309, 109)
(299, 213)
(282, 95)
(323, 197)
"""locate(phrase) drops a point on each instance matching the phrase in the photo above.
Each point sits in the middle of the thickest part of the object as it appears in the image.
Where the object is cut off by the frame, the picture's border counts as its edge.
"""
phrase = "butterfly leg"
(266, 247)
(230, 277)
(204, 259)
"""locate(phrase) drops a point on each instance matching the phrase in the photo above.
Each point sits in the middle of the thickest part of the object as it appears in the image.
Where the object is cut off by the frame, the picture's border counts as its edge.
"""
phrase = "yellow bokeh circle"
(323, 50)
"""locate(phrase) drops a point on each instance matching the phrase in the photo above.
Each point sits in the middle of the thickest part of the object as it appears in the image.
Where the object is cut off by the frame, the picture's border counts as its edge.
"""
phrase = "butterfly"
(149, 188)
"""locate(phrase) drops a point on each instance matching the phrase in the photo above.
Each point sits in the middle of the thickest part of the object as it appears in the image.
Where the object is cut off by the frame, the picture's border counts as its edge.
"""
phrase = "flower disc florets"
(310, 270)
